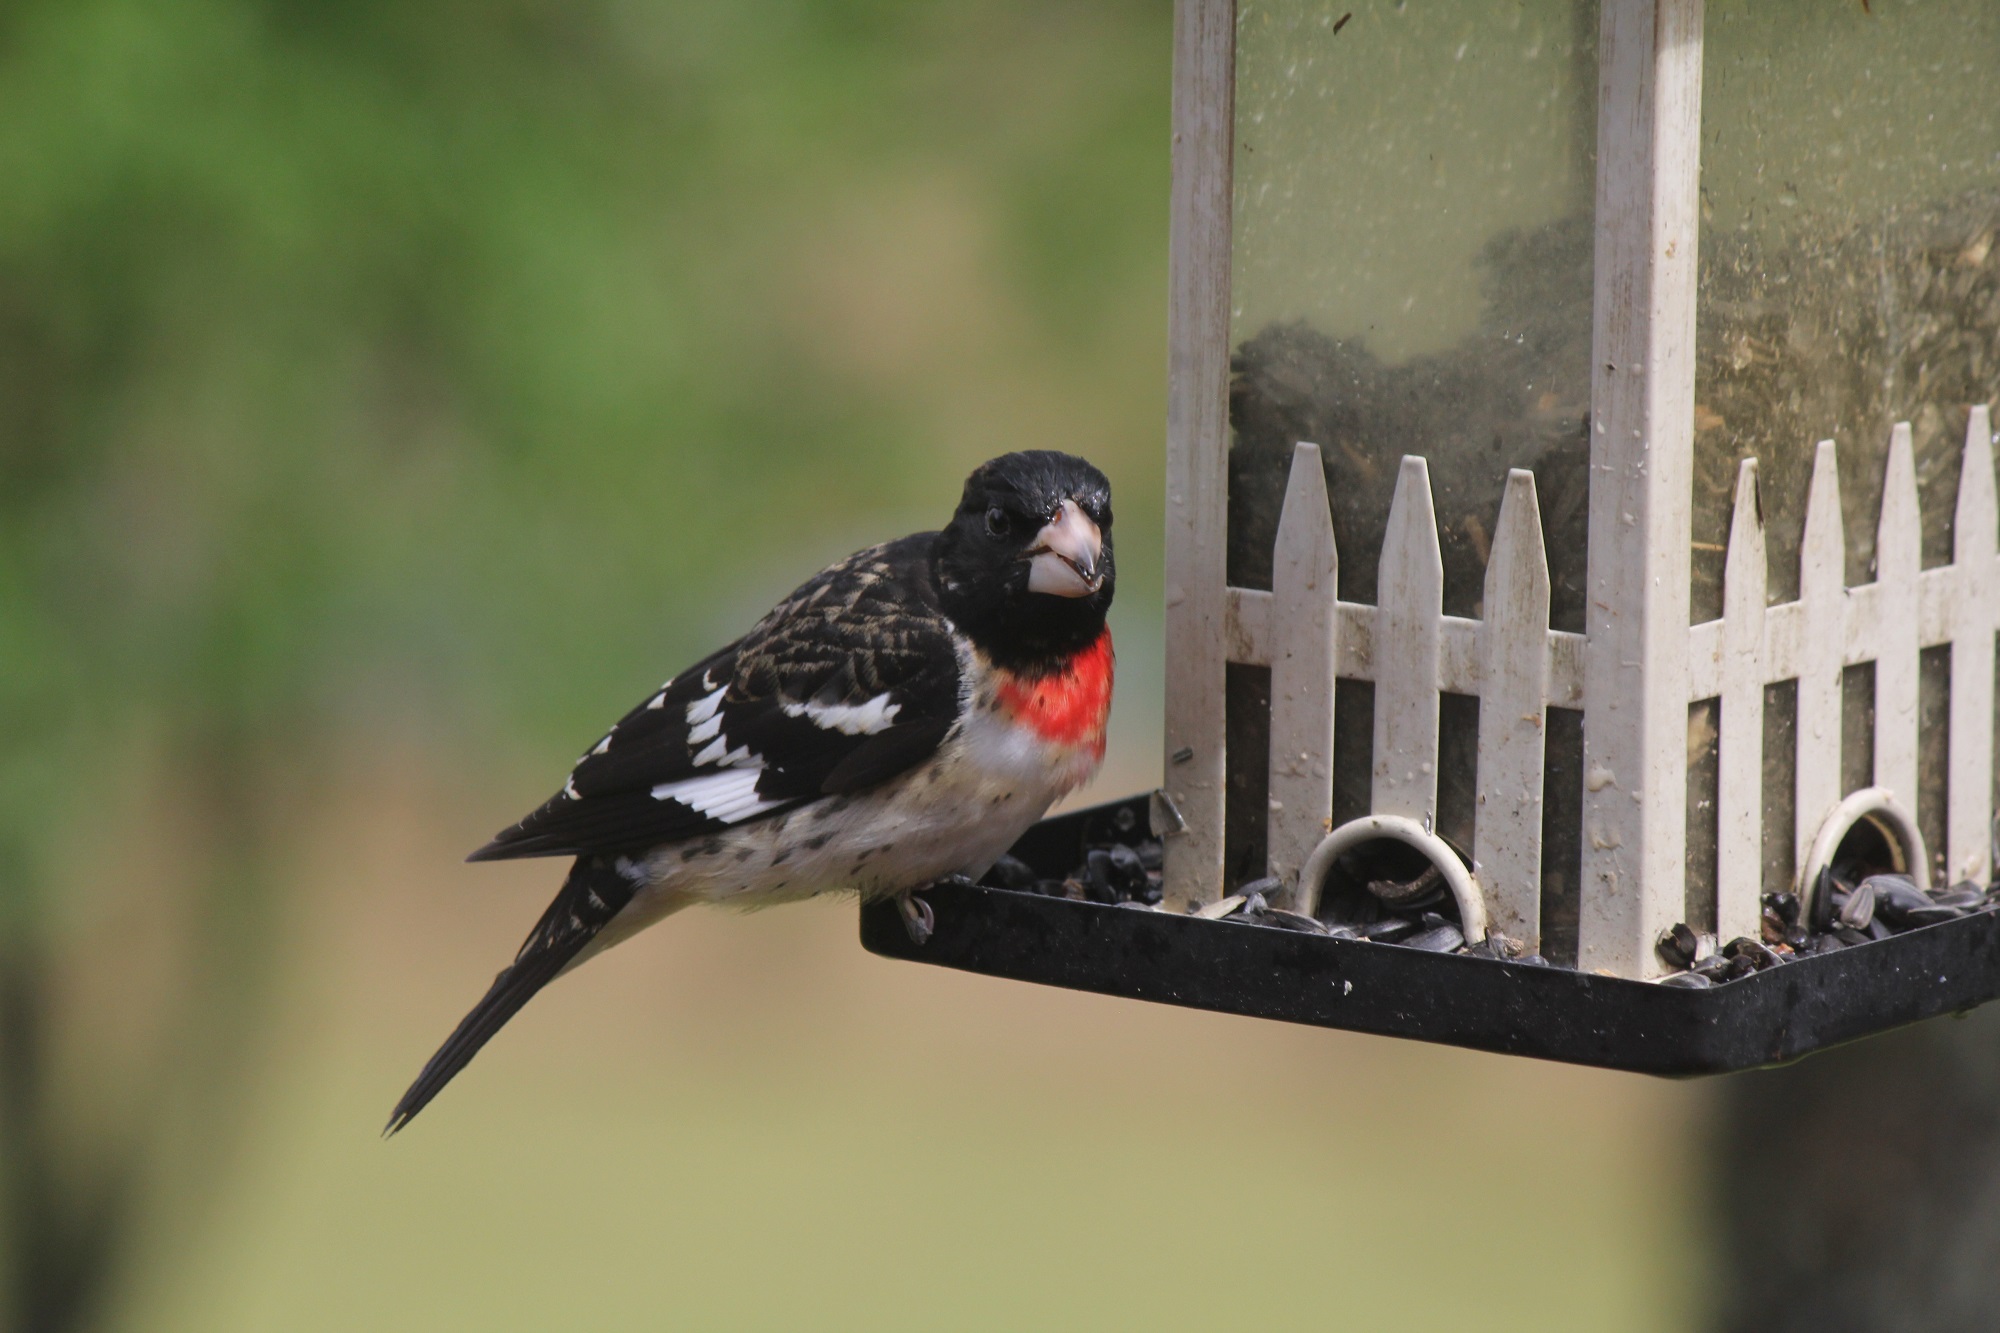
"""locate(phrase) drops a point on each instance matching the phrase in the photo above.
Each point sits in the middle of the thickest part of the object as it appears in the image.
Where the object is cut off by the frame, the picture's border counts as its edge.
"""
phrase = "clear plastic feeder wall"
(1580, 452)
(1410, 277)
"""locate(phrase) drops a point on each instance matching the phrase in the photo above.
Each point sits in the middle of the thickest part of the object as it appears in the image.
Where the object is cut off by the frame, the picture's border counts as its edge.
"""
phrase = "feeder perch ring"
(1880, 807)
(1403, 829)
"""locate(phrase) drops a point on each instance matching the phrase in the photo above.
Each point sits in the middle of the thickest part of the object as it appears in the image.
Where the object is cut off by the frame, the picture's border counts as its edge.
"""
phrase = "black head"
(1025, 566)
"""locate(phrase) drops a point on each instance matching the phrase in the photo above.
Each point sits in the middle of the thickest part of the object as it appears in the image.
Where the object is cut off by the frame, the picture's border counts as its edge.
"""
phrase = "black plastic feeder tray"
(1551, 1013)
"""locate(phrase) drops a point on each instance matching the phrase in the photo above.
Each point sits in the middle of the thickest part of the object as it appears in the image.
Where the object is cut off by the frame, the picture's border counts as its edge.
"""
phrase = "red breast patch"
(1070, 706)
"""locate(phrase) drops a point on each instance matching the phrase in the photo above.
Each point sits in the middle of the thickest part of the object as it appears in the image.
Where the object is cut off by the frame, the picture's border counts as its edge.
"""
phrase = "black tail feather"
(593, 894)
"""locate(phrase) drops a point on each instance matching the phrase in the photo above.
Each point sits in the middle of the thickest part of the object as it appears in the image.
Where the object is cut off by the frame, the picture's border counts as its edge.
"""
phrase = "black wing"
(849, 681)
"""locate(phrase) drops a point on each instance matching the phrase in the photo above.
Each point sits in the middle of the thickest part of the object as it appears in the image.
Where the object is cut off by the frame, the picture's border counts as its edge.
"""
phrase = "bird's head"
(1024, 568)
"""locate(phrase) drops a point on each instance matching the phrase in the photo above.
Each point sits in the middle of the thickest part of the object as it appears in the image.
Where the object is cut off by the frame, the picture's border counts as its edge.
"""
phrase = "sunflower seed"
(1441, 938)
(1676, 946)
(1857, 912)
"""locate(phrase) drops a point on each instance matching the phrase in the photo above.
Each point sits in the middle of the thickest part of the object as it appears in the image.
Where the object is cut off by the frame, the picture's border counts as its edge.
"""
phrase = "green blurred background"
(393, 393)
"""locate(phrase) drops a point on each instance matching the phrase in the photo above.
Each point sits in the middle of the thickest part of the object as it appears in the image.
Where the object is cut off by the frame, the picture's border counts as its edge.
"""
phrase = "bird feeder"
(1580, 499)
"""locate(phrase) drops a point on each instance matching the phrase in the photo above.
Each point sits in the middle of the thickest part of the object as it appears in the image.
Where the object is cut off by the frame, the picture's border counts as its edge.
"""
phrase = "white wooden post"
(1514, 648)
(1740, 758)
(1198, 442)
(1822, 636)
(1641, 477)
(1305, 624)
(1898, 562)
(1409, 615)
(1976, 584)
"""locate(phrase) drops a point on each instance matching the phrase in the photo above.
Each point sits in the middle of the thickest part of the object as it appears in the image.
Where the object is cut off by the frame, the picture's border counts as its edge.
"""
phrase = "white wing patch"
(704, 717)
(728, 796)
(864, 719)
(704, 708)
(715, 752)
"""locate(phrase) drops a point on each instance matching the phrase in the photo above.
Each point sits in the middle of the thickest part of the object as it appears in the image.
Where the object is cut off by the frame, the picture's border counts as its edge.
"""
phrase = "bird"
(898, 720)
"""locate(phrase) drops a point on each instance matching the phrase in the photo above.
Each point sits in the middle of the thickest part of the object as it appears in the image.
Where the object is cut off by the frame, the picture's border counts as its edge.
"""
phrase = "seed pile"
(1841, 330)
(1121, 866)
(1836, 329)
(1383, 892)
(1390, 894)
(1846, 911)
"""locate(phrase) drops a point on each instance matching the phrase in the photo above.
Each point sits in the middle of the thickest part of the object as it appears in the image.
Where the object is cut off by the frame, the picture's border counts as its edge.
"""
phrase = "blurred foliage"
(444, 367)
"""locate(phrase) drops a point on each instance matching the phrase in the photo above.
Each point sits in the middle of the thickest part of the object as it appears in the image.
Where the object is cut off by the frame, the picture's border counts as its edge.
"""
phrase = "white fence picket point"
(1822, 609)
(1975, 616)
(1514, 646)
(1898, 562)
(1304, 630)
(1409, 611)
(1740, 759)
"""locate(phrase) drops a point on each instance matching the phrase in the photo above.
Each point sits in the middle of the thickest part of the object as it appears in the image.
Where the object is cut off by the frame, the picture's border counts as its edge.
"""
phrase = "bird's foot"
(918, 918)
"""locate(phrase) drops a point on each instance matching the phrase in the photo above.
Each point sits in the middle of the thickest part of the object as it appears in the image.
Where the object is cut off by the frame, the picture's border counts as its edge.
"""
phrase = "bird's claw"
(918, 918)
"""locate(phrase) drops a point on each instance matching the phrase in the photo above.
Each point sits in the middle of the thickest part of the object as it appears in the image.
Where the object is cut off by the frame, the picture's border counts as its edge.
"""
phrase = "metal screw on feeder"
(1557, 661)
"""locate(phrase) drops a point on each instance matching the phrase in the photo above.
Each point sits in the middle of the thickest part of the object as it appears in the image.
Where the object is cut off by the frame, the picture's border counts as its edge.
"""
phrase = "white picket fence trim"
(1461, 666)
(1969, 613)
(1513, 713)
(1409, 607)
(1739, 851)
(1303, 599)
(1831, 626)
(1518, 668)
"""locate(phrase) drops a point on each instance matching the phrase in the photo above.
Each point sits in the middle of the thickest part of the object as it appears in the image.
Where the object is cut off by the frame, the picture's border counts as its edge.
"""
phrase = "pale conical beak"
(1063, 561)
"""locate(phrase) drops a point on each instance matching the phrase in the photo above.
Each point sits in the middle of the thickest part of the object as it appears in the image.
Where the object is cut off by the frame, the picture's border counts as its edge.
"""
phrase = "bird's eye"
(997, 522)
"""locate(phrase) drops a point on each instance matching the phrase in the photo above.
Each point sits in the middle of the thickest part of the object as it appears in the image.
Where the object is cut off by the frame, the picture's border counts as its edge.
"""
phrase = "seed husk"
(1421, 891)
(1441, 938)
(1857, 909)
(1823, 905)
(1895, 896)
(1217, 910)
(1010, 872)
(1285, 920)
(1677, 945)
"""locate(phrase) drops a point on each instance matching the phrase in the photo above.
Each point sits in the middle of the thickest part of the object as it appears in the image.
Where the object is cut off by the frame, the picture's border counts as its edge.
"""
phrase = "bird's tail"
(594, 893)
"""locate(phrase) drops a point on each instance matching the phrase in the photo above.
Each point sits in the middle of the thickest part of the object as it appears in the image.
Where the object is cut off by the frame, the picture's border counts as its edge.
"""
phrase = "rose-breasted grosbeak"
(901, 718)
